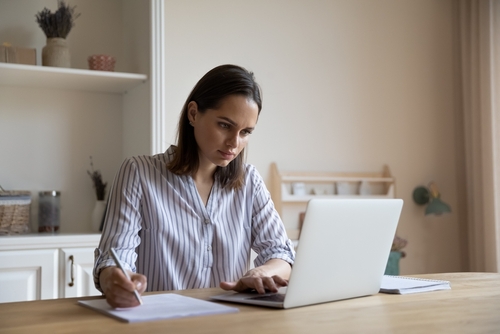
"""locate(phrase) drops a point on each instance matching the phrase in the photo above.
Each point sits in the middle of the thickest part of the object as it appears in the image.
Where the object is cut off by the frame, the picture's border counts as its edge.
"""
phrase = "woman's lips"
(227, 155)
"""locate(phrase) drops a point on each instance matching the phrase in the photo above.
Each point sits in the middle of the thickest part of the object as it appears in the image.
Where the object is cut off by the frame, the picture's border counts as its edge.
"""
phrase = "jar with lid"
(49, 207)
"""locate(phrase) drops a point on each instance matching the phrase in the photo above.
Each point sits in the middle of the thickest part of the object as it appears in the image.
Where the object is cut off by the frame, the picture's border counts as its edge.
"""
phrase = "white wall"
(348, 86)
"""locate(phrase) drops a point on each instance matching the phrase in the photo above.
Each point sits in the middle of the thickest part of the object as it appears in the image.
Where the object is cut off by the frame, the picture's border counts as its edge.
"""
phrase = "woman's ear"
(192, 111)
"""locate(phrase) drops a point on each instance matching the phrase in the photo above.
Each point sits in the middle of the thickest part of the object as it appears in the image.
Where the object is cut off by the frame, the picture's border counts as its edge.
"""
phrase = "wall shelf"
(323, 185)
(306, 198)
(69, 78)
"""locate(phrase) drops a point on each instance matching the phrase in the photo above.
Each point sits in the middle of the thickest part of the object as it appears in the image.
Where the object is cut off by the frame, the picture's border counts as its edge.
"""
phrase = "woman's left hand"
(258, 279)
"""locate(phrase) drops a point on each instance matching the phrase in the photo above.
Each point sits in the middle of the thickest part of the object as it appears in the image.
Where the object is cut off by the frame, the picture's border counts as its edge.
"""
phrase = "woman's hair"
(208, 93)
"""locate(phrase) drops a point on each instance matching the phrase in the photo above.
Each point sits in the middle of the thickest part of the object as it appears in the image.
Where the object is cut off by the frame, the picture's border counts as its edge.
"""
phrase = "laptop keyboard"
(273, 298)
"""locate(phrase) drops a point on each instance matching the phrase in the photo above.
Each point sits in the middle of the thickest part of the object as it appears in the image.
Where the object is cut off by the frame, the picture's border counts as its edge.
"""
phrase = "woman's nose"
(232, 140)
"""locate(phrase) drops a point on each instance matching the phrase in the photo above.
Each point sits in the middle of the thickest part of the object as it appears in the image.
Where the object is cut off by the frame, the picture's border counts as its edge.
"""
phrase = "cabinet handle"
(72, 259)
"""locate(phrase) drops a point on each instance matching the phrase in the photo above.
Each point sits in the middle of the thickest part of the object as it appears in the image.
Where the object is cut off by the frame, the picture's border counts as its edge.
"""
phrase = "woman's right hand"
(118, 290)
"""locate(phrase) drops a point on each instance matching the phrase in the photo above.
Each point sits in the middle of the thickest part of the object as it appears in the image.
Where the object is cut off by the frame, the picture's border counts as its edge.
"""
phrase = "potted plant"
(56, 27)
(100, 191)
(396, 254)
(99, 185)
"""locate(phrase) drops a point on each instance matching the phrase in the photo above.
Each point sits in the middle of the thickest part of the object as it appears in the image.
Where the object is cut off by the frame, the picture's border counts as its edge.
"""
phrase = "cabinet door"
(76, 270)
(28, 275)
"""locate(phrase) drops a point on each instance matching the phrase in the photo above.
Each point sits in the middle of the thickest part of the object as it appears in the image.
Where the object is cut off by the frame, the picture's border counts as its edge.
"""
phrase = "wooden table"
(471, 306)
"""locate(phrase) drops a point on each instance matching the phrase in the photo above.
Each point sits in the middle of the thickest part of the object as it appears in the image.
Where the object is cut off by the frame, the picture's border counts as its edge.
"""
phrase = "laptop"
(342, 253)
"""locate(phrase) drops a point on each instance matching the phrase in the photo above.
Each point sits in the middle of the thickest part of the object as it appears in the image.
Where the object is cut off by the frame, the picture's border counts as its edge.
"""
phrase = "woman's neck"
(204, 179)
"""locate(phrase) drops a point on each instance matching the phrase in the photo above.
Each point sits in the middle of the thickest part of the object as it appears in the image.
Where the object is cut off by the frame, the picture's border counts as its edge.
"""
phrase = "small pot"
(102, 63)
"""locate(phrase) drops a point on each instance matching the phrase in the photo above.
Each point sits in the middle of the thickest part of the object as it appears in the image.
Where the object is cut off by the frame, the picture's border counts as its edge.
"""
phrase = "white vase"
(98, 215)
(56, 53)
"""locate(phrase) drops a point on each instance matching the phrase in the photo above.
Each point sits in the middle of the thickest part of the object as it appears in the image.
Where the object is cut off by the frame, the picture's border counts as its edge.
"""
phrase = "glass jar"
(49, 207)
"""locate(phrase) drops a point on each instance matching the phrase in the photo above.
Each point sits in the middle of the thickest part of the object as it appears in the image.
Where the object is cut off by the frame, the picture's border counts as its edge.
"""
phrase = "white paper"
(158, 307)
(404, 285)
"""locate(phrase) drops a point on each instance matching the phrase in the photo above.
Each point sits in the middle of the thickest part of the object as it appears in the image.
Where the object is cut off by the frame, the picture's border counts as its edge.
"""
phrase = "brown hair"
(208, 93)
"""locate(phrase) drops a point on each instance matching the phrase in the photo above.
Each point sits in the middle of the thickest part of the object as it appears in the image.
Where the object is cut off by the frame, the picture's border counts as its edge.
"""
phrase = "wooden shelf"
(287, 177)
(69, 78)
(324, 185)
(306, 198)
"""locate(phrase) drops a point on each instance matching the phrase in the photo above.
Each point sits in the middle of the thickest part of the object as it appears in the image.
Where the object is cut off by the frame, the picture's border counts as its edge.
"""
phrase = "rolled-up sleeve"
(270, 240)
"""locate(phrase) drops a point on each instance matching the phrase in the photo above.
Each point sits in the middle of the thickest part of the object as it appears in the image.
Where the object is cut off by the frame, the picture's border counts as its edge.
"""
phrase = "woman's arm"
(274, 249)
(123, 221)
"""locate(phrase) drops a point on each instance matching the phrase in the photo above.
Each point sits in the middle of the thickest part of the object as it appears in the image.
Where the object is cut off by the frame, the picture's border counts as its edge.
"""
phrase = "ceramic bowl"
(101, 63)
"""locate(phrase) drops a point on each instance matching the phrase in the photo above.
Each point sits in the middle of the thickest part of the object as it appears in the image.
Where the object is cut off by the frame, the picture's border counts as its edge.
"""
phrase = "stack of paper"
(404, 285)
(157, 307)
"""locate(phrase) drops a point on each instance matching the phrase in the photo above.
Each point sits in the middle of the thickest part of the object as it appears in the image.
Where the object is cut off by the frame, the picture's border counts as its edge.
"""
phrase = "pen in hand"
(119, 264)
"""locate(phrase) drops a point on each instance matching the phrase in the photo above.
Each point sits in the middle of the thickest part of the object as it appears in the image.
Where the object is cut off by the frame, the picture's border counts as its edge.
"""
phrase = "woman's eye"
(246, 132)
(224, 125)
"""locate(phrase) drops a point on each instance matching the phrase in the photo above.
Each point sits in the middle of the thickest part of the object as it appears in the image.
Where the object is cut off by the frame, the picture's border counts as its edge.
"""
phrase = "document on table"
(159, 307)
(404, 285)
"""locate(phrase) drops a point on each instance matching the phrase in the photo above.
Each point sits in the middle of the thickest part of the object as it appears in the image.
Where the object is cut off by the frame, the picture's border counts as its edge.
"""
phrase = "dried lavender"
(57, 24)
(99, 185)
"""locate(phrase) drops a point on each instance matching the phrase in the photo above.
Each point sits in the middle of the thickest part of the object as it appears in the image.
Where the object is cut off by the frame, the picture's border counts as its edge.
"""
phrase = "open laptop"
(342, 253)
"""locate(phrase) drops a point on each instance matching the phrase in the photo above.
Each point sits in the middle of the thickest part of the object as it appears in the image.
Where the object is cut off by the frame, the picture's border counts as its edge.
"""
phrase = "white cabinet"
(28, 275)
(76, 266)
(34, 267)
(291, 190)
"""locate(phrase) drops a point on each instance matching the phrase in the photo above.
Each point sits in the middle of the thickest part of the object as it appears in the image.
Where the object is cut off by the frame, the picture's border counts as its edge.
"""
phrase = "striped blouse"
(161, 228)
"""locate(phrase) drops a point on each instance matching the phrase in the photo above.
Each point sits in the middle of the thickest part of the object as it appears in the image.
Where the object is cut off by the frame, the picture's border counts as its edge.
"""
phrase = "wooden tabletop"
(471, 306)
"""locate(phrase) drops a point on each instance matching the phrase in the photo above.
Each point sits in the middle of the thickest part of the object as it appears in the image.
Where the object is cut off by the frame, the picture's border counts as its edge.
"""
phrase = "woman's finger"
(280, 281)
(269, 284)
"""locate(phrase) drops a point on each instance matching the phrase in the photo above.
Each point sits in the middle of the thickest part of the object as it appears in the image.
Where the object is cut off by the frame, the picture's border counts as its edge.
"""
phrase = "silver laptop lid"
(343, 249)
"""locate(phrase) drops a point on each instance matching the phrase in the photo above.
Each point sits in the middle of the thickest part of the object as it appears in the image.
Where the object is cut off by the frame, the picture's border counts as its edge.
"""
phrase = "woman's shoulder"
(252, 175)
(250, 169)
(141, 161)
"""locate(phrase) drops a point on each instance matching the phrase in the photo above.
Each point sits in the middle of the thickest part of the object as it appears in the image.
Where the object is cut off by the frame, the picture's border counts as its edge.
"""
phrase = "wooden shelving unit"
(325, 185)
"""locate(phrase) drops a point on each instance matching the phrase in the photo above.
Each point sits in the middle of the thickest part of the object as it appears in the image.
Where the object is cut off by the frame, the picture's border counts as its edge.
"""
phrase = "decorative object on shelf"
(100, 190)
(365, 188)
(98, 216)
(99, 185)
(298, 188)
(348, 188)
(56, 53)
(14, 212)
(431, 196)
(16, 55)
(49, 211)
(396, 254)
(56, 27)
(102, 63)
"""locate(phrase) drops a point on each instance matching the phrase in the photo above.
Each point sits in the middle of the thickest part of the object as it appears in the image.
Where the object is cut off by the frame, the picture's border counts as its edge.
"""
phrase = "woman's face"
(222, 133)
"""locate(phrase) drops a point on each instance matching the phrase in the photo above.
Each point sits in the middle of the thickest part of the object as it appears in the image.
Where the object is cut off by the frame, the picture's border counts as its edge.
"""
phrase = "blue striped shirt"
(161, 228)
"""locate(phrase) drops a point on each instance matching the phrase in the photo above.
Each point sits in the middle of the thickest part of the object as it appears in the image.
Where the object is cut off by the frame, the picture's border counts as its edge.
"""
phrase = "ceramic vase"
(56, 53)
(98, 215)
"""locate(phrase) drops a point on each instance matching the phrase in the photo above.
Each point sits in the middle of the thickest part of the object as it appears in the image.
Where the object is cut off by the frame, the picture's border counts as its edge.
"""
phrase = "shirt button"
(209, 248)
(207, 221)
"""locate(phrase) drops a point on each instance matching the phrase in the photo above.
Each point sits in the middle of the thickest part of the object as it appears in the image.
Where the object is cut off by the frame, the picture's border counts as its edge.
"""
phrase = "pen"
(119, 264)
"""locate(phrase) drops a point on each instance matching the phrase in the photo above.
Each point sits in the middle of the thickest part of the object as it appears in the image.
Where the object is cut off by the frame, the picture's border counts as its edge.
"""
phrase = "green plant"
(398, 244)
(99, 185)
(59, 23)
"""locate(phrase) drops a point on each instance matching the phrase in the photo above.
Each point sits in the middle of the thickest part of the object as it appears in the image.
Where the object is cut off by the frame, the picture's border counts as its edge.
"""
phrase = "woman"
(188, 218)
